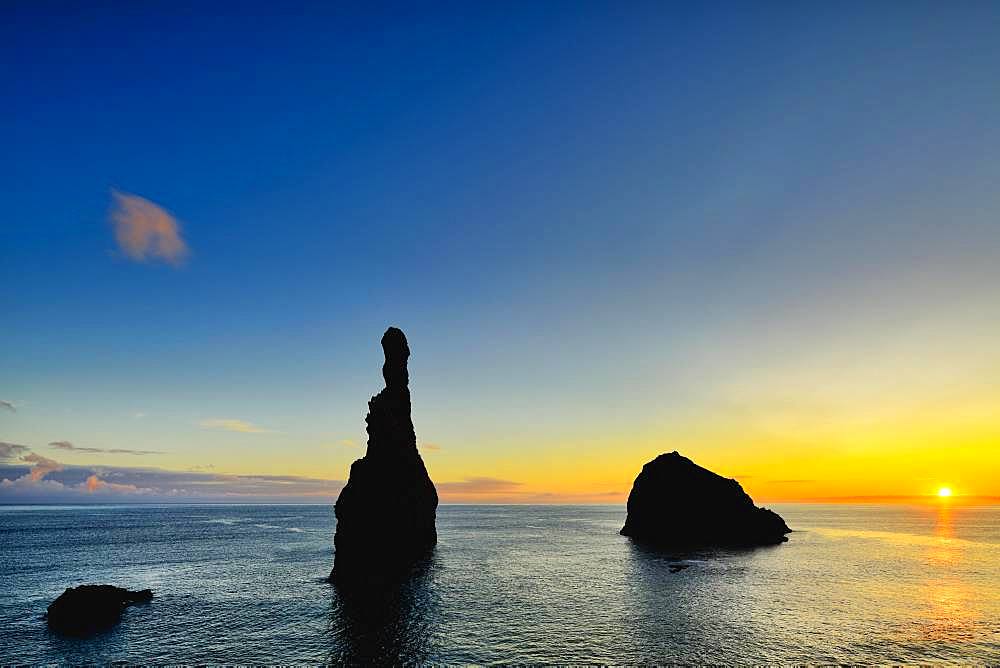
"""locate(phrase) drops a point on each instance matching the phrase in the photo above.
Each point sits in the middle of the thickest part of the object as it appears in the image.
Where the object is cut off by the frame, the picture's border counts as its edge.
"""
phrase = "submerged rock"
(676, 503)
(386, 512)
(90, 608)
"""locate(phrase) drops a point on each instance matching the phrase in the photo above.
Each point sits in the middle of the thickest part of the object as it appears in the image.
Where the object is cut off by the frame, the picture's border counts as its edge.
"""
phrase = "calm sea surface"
(510, 584)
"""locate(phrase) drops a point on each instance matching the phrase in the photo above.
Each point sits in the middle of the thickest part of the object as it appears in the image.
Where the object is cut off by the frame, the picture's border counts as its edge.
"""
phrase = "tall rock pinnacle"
(385, 514)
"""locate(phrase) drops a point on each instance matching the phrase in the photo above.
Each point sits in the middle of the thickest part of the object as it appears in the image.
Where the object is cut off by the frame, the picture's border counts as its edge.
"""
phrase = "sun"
(944, 492)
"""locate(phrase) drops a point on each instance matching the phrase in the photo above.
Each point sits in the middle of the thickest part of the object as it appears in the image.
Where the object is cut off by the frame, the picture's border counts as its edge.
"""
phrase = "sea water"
(247, 584)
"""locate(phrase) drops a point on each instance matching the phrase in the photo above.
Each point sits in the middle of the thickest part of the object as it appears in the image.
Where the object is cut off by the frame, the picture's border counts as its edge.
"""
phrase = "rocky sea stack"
(676, 503)
(91, 608)
(385, 514)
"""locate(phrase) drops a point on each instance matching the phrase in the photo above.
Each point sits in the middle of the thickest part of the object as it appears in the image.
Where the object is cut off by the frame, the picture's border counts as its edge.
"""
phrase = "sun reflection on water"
(936, 604)
(943, 526)
(947, 608)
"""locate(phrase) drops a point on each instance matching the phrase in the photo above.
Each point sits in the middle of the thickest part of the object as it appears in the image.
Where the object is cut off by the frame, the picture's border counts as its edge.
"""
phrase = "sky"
(762, 234)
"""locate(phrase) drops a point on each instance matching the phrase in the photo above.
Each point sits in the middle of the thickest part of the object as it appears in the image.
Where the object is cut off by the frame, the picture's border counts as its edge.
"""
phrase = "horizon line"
(845, 500)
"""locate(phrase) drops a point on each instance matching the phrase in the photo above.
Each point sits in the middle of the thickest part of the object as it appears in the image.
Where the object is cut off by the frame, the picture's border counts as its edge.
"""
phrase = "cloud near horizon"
(42, 465)
(9, 405)
(55, 483)
(145, 231)
(94, 483)
(12, 451)
(481, 489)
(478, 485)
(80, 484)
(230, 424)
(66, 445)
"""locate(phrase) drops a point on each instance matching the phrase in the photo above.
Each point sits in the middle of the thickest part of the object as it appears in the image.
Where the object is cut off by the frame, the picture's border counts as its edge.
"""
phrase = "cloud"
(26, 489)
(430, 447)
(348, 443)
(128, 451)
(478, 486)
(19, 484)
(9, 405)
(66, 445)
(29, 488)
(128, 484)
(94, 484)
(573, 498)
(497, 490)
(11, 451)
(229, 424)
(42, 465)
(145, 231)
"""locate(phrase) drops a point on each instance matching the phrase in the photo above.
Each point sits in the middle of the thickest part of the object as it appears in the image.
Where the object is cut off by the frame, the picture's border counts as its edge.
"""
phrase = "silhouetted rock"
(90, 608)
(676, 503)
(385, 513)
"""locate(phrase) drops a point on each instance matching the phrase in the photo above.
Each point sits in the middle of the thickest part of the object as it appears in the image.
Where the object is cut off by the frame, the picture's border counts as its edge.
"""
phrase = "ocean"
(524, 584)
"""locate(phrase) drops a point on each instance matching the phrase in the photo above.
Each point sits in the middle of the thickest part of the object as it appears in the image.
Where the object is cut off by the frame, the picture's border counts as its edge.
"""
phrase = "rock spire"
(386, 512)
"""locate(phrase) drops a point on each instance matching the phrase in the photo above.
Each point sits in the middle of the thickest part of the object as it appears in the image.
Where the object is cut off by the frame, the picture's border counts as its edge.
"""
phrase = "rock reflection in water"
(388, 622)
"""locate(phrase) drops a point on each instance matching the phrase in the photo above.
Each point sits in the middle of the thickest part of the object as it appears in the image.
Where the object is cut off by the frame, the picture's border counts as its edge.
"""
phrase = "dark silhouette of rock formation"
(385, 514)
(91, 608)
(387, 625)
(676, 503)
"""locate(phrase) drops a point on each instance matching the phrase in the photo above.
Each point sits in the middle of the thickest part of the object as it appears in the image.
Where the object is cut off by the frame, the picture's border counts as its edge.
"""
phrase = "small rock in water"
(90, 608)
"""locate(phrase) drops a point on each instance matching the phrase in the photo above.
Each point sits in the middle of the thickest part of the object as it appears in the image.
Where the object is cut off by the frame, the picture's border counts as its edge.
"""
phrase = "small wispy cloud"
(230, 424)
(66, 445)
(138, 416)
(478, 485)
(145, 231)
(12, 451)
(42, 465)
(430, 447)
(9, 405)
(348, 443)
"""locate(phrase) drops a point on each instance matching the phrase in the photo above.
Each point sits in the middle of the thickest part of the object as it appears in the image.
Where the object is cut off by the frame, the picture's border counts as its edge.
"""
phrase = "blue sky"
(608, 231)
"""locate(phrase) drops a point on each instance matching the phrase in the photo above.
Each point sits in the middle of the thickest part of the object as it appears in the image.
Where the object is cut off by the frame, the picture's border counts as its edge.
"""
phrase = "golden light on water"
(944, 492)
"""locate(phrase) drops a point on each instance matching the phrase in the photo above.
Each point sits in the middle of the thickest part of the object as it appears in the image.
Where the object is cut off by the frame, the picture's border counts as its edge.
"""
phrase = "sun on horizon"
(944, 492)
